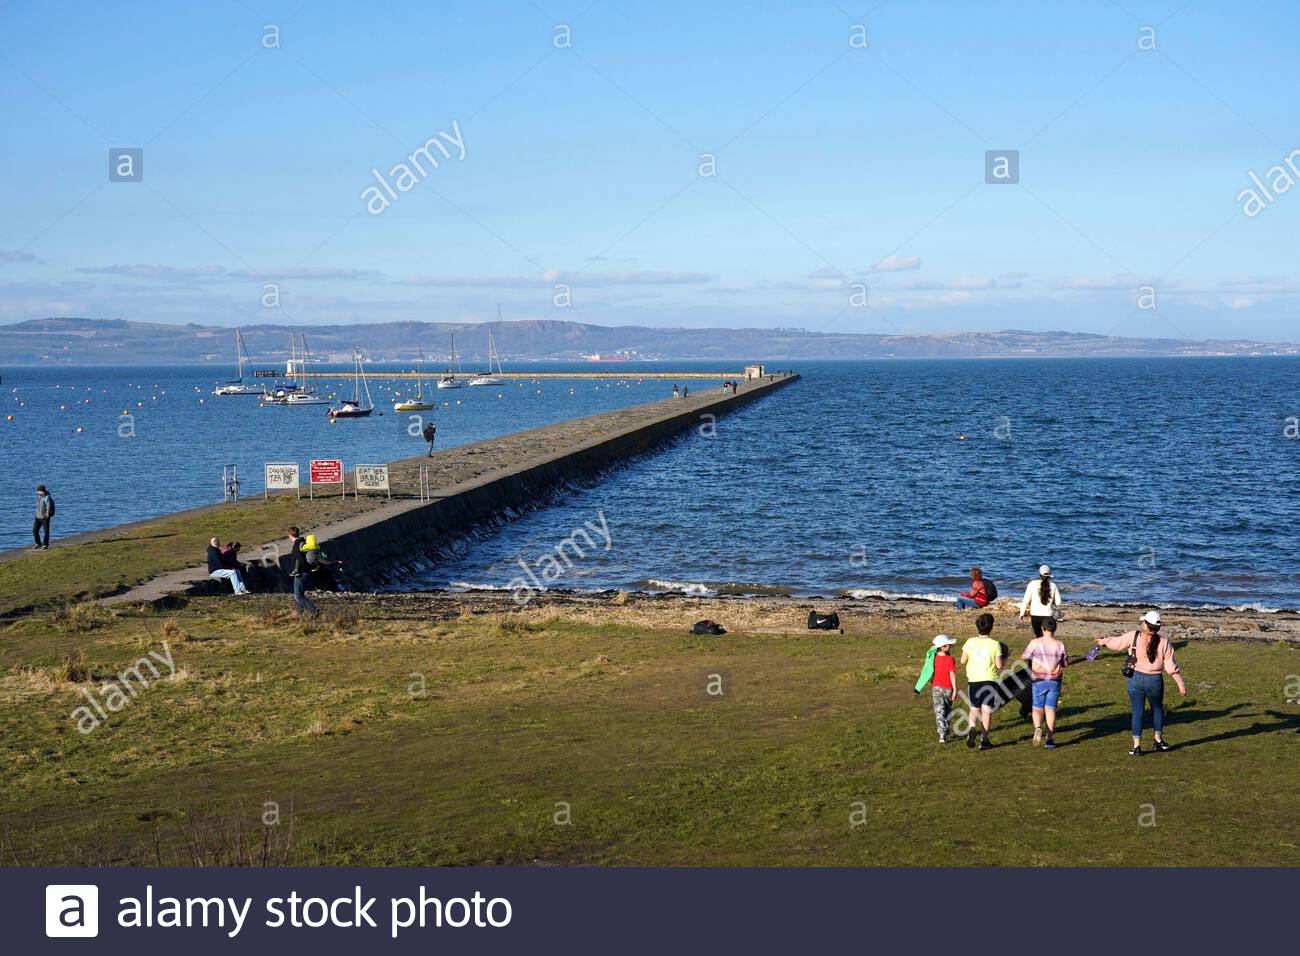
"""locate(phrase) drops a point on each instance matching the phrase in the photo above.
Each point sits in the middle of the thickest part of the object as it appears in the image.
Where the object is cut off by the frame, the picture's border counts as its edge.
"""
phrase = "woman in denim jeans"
(1152, 657)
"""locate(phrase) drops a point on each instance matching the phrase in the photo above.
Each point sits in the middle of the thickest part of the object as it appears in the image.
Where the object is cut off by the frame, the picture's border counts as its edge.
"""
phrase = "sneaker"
(1162, 746)
(1049, 744)
(1038, 736)
(970, 737)
(985, 745)
(1135, 752)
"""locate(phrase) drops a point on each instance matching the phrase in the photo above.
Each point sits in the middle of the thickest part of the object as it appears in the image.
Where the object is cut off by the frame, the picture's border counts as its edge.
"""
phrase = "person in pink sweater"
(1151, 657)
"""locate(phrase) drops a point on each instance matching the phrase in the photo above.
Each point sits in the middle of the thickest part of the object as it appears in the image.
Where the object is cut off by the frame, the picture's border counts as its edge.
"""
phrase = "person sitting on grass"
(978, 595)
(1047, 662)
(218, 571)
(983, 658)
(941, 671)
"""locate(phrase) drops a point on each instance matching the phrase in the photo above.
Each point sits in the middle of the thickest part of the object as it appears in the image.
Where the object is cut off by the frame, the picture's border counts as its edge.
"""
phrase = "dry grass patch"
(81, 617)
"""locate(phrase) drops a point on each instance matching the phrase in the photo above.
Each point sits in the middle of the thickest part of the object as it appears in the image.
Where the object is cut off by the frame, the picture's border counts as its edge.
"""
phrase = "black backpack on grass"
(708, 627)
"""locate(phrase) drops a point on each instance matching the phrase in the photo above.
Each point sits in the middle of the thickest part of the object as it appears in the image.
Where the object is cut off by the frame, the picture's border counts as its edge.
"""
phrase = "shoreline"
(761, 592)
(786, 615)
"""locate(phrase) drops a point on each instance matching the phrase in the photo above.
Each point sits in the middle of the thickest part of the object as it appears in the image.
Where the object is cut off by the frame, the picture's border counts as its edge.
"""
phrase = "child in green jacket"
(940, 670)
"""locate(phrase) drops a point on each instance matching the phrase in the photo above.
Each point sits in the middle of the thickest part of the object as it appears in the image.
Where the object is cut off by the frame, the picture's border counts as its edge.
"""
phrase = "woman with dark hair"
(1042, 600)
(1150, 657)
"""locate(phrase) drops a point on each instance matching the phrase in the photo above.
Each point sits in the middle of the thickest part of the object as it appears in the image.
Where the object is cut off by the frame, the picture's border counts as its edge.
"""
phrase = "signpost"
(325, 471)
(281, 476)
(371, 478)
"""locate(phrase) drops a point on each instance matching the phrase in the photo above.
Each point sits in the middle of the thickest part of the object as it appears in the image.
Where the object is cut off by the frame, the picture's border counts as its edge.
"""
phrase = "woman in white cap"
(1150, 657)
(1042, 600)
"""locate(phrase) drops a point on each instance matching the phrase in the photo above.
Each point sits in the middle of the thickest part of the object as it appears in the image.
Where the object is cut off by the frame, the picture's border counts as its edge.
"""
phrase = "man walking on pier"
(44, 512)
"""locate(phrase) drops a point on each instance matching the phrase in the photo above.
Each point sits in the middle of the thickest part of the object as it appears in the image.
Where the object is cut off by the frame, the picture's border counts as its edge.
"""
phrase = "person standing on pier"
(44, 512)
(430, 433)
(300, 573)
(676, 392)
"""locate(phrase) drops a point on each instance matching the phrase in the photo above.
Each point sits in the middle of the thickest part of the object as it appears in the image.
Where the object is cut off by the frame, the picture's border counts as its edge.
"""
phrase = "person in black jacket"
(300, 571)
(218, 571)
(44, 512)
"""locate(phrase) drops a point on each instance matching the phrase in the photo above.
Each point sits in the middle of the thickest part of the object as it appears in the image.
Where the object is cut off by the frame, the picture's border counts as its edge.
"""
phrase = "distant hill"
(82, 341)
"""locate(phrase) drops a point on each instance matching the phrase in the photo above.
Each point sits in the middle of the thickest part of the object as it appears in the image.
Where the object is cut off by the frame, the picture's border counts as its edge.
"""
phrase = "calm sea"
(1168, 481)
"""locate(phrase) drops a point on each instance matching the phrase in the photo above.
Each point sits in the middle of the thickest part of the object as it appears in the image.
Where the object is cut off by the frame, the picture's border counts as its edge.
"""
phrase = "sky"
(804, 165)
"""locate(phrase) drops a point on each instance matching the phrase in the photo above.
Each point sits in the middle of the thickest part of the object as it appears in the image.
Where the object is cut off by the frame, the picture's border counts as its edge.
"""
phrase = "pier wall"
(382, 548)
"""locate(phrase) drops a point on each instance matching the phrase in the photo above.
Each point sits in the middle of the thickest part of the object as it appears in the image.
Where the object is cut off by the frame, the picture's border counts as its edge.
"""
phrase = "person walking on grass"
(978, 595)
(1047, 662)
(218, 571)
(300, 573)
(983, 658)
(44, 512)
(941, 671)
(1150, 657)
(1042, 600)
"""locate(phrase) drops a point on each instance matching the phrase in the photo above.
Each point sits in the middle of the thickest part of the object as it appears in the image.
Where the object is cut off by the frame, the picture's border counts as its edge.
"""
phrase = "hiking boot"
(1049, 744)
(970, 737)
(1135, 752)
(1038, 736)
(985, 745)
(1162, 746)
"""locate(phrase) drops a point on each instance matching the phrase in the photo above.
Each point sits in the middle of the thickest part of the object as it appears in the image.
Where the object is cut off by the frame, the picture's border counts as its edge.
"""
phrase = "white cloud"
(897, 264)
(551, 277)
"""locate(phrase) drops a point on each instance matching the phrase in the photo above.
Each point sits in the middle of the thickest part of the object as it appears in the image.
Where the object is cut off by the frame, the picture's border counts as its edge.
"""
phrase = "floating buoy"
(78, 429)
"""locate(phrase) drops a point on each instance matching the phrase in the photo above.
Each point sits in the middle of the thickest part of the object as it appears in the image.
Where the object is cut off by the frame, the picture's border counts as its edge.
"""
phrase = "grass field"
(389, 733)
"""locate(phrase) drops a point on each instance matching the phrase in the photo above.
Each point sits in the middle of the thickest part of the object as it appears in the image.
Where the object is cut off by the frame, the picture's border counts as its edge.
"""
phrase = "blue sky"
(836, 166)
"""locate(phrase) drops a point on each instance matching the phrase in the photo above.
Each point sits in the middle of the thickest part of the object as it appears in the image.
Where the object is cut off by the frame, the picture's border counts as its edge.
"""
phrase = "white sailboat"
(450, 380)
(487, 378)
(238, 386)
(353, 407)
(419, 403)
(304, 395)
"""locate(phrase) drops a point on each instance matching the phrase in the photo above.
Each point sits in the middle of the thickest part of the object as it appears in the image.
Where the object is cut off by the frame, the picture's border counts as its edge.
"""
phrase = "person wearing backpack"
(44, 512)
(981, 592)
(1150, 657)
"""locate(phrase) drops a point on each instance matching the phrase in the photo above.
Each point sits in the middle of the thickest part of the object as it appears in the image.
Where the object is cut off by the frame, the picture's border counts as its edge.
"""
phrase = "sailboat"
(303, 395)
(418, 403)
(239, 386)
(487, 378)
(353, 407)
(450, 380)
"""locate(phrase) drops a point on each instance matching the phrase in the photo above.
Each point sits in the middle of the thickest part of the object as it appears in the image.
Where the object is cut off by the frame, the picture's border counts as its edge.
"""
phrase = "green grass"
(142, 551)
(518, 721)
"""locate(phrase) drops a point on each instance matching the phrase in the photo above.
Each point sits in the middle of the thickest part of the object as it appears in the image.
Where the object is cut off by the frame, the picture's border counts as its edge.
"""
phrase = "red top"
(978, 592)
(944, 669)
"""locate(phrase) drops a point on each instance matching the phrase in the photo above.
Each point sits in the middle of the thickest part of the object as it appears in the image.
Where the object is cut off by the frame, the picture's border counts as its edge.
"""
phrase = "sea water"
(1161, 481)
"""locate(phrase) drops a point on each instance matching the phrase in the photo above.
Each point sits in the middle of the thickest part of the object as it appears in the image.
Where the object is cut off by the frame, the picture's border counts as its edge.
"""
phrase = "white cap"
(943, 640)
(1044, 571)
(1152, 618)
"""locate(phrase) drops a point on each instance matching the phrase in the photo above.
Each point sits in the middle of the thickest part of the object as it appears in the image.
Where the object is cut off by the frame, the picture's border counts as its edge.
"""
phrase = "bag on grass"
(823, 622)
(708, 627)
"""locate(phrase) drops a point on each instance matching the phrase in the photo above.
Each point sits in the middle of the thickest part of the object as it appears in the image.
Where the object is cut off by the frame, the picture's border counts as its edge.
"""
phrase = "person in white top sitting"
(1042, 600)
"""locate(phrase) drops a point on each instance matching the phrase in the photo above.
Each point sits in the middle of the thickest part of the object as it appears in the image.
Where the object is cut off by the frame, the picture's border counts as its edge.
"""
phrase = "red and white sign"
(326, 471)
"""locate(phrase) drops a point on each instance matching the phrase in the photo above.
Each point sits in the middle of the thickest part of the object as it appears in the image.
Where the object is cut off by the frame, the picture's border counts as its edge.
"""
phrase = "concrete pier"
(475, 485)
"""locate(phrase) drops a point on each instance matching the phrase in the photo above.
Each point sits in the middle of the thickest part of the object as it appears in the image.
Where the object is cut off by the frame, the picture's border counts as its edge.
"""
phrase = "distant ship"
(596, 357)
